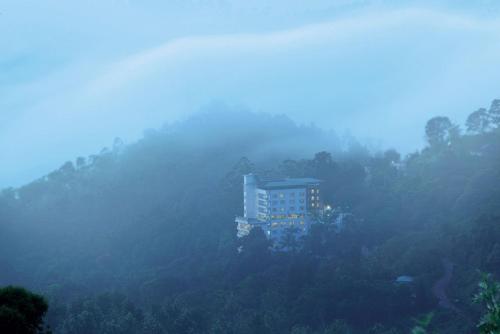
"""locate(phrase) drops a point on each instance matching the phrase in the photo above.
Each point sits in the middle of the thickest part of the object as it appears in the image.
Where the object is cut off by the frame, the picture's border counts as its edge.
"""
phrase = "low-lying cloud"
(379, 74)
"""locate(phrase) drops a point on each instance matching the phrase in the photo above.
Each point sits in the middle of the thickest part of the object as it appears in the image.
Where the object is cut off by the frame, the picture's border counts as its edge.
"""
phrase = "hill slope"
(140, 238)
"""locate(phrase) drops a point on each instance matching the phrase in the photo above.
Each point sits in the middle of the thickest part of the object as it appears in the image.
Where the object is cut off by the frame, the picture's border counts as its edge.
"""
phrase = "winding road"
(439, 287)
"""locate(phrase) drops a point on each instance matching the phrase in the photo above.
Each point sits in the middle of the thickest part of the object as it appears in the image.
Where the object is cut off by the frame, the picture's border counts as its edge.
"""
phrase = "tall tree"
(478, 122)
(289, 240)
(440, 131)
(489, 296)
(494, 113)
(21, 312)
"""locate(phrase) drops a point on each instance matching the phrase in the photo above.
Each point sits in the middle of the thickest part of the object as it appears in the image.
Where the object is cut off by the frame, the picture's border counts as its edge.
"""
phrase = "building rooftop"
(405, 279)
(289, 183)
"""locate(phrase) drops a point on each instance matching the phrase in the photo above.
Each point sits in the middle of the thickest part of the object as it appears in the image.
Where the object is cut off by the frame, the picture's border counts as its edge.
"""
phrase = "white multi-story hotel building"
(275, 205)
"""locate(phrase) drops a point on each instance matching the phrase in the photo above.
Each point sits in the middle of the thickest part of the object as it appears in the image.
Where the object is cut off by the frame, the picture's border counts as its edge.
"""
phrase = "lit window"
(312, 191)
(282, 195)
(312, 204)
(312, 198)
(282, 209)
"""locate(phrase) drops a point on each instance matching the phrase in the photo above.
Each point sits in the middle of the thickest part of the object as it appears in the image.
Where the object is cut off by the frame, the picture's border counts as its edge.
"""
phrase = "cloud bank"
(376, 73)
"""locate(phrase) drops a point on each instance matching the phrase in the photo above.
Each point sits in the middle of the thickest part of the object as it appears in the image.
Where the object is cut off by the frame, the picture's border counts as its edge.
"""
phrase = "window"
(312, 198)
(292, 208)
(282, 209)
(302, 194)
(301, 200)
(275, 202)
(312, 204)
(312, 191)
(282, 195)
(292, 194)
(275, 195)
(302, 208)
(282, 201)
(274, 209)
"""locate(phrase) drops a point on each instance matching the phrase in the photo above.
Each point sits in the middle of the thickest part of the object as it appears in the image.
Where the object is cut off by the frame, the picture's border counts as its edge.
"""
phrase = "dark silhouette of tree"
(478, 122)
(255, 244)
(21, 312)
(289, 241)
(392, 156)
(494, 113)
(439, 131)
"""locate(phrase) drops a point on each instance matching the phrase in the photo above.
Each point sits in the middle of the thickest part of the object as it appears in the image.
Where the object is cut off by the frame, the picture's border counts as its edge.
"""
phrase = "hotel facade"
(279, 204)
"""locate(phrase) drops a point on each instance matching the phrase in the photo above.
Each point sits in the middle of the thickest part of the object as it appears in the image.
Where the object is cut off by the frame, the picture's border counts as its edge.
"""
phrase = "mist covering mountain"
(126, 128)
(77, 74)
(140, 238)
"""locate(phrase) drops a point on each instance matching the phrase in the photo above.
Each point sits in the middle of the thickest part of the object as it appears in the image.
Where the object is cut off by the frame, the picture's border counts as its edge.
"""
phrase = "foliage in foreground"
(489, 297)
(21, 312)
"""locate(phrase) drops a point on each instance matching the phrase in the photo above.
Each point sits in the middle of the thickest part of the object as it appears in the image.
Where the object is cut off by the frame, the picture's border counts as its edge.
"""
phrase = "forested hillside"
(141, 238)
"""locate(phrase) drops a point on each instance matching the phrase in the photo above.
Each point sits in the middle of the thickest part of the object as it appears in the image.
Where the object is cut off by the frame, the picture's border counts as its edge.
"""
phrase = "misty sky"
(76, 74)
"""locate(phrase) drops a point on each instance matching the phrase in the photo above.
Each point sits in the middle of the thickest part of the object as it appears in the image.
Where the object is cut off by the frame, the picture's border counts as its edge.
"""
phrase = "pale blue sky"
(76, 74)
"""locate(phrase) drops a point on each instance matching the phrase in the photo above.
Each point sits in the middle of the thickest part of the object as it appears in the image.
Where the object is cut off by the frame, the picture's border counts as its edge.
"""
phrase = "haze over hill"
(249, 167)
(141, 238)
(74, 76)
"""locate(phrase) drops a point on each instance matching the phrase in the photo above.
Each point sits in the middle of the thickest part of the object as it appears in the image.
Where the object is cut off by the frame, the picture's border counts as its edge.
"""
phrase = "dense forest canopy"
(141, 238)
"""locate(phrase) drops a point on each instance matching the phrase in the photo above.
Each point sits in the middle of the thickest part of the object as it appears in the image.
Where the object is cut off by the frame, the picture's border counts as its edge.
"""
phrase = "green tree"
(494, 113)
(289, 240)
(479, 121)
(422, 324)
(21, 312)
(338, 327)
(440, 131)
(489, 296)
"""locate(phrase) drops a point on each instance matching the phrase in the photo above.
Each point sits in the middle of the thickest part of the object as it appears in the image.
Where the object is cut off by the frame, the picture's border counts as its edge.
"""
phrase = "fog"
(76, 75)
(250, 167)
